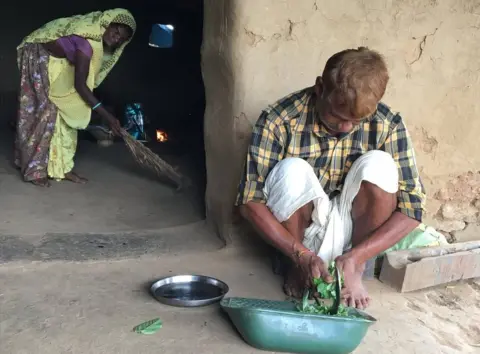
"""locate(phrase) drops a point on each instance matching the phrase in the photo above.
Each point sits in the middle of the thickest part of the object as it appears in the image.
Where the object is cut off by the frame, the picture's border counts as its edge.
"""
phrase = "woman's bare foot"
(73, 177)
(354, 293)
(41, 182)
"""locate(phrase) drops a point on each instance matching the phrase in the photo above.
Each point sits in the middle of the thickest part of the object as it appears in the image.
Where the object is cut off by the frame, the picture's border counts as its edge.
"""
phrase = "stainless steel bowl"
(189, 290)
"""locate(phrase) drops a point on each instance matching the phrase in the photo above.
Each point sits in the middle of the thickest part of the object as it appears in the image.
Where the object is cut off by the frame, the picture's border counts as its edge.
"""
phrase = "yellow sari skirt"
(72, 114)
(50, 112)
(62, 149)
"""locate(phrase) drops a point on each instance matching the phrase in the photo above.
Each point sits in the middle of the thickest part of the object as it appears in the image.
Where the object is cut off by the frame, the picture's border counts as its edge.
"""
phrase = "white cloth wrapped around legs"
(293, 183)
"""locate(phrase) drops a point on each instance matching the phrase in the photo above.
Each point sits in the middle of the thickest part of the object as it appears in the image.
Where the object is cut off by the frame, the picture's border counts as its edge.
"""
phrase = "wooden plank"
(423, 268)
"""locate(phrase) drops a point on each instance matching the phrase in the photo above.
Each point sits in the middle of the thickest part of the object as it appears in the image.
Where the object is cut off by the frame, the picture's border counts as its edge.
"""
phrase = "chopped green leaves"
(149, 327)
(325, 291)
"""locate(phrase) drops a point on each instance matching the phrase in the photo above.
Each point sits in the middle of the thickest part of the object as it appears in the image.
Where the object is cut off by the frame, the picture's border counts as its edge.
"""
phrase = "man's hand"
(309, 265)
(313, 267)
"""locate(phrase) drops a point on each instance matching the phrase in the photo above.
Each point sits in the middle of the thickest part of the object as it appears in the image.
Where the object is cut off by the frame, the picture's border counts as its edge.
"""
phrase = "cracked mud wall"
(255, 52)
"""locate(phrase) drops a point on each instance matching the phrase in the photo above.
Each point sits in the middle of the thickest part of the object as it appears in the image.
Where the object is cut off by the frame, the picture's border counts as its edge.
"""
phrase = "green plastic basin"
(278, 326)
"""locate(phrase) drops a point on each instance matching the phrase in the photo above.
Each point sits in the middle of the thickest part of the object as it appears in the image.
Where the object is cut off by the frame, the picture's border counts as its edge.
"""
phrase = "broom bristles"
(148, 159)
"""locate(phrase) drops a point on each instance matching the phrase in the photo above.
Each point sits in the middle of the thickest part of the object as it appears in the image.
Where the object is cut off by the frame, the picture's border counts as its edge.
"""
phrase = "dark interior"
(168, 82)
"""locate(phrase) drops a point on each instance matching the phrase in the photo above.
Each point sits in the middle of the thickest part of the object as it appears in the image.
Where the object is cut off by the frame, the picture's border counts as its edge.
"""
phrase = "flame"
(161, 136)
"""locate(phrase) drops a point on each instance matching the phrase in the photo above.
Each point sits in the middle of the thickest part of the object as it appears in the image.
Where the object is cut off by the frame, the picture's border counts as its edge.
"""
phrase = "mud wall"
(255, 52)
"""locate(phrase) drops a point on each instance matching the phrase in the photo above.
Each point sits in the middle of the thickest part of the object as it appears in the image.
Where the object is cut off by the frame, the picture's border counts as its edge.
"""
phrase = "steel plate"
(189, 290)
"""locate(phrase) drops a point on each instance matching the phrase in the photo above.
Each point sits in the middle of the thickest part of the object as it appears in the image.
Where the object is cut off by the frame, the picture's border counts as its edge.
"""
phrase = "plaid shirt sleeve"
(264, 152)
(411, 194)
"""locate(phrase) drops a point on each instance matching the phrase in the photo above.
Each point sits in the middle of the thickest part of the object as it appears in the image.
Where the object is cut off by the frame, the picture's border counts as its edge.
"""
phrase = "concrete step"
(195, 237)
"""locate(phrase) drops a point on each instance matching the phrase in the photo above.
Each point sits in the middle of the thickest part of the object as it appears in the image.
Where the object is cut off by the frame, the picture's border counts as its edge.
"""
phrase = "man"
(331, 175)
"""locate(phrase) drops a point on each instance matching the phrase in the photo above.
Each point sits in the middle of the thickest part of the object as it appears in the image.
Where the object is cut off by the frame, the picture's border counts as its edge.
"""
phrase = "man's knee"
(292, 167)
(303, 215)
(373, 192)
(289, 187)
(379, 172)
(378, 186)
(373, 199)
(290, 174)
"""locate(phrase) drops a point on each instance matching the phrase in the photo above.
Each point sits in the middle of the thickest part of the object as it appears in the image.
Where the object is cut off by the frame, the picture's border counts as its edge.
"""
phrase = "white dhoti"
(293, 184)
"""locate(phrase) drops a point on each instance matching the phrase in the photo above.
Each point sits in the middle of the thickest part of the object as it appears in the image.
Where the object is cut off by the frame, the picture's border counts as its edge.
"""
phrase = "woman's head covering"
(91, 26)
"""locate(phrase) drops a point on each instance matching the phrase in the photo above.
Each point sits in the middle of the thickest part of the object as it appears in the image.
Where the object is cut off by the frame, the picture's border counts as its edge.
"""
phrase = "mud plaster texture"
(255, 52)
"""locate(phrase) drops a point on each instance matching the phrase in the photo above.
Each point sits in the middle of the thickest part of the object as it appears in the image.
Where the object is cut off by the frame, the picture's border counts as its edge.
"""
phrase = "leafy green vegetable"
(325, 291)
(149, 327)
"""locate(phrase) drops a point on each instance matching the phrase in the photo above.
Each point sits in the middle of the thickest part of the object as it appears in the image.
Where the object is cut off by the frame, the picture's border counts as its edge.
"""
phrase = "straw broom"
(148, 159)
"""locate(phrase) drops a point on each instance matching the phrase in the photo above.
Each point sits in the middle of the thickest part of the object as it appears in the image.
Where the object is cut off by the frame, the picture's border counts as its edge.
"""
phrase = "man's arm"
(394, 230)
(279, 237)
(411, 199)
(265, 151)
(273, 232)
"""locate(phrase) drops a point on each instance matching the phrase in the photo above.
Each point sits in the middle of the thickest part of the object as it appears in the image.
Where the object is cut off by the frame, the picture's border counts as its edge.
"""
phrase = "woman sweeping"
(60, 64)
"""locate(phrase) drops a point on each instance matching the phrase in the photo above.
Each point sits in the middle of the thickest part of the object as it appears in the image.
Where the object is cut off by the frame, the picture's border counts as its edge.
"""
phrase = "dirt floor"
(75, 262)
(120, 196)
(91, 307)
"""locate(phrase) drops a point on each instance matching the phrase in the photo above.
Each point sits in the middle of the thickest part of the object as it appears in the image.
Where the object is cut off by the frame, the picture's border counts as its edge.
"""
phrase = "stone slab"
(415, 273)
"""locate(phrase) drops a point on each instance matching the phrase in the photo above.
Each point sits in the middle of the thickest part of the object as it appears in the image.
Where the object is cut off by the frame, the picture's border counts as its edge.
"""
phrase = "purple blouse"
(71, 44)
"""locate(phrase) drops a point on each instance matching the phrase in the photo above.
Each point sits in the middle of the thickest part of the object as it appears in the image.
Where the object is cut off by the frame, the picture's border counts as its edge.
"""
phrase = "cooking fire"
(161, 136)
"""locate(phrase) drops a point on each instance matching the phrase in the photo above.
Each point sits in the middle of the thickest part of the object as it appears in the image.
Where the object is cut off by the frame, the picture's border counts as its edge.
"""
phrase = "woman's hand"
(115, 126)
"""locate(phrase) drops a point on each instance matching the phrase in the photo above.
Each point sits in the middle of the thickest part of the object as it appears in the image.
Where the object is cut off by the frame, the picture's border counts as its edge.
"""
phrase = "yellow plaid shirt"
(289, 129)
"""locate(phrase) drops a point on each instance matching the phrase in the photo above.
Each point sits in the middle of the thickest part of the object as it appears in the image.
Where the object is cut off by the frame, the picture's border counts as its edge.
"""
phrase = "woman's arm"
(82, 67)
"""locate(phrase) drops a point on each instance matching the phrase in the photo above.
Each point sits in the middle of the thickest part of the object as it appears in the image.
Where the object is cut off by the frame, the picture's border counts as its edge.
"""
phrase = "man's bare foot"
(354, 293)
(41, 182)
(73, 177)
(294, 283)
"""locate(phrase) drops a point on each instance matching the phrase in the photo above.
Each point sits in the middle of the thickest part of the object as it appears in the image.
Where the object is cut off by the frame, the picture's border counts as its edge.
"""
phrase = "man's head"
(352, 84)
(115, 35)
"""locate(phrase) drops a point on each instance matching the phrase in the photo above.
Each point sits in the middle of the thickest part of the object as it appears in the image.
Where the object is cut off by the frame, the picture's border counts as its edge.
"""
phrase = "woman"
(60, 64)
